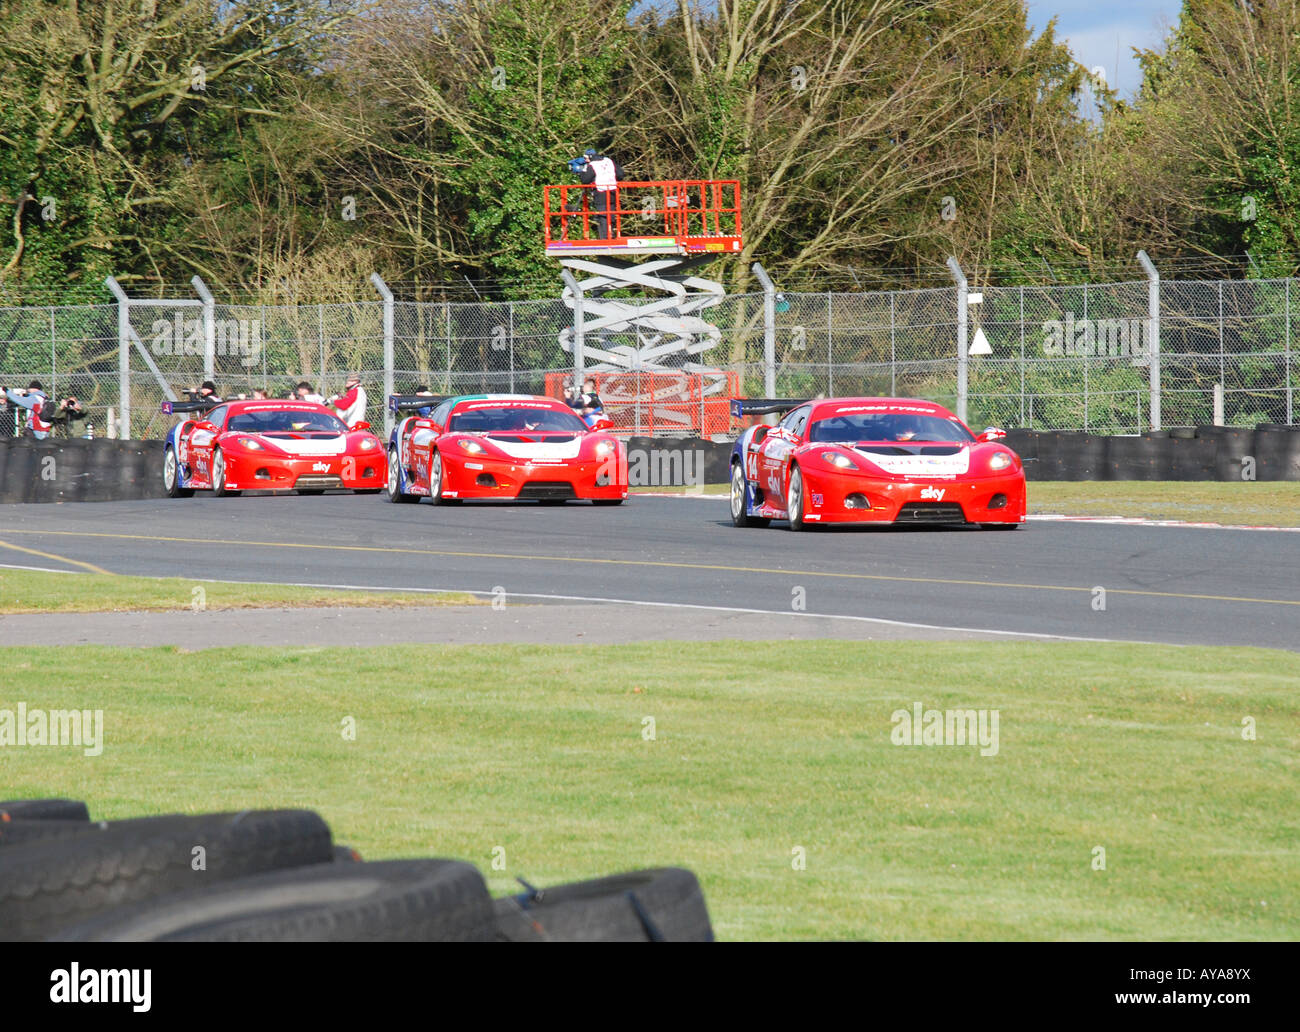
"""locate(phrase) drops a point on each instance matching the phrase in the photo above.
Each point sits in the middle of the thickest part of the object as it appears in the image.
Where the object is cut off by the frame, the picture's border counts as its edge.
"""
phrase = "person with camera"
(303, 392)
(205, 392)
(603, 173)
(34, 400)
(350, 406)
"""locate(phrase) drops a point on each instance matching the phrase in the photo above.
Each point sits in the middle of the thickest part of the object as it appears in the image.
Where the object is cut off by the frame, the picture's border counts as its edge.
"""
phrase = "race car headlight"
(1002, 460)
(473, 447)
(368, 444)
(248, 442)
(604, 447)
(839, 459)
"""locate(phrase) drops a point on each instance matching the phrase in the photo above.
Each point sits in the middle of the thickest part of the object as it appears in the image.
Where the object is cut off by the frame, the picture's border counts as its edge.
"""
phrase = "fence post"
(1286, 355)
(1022, 354)
(769, 329)
(377, 281)
(446, 329)
(959, 278)
(830, 368)
(123, 358)
(1153, 336)
(512, 347)
(54, 362)
(209, 328)
(893, 357)
(320, 336)
(579, 341)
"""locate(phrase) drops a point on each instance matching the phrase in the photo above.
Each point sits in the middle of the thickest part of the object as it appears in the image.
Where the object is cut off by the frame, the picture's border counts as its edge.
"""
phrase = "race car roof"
(866, 406)
(477, 401)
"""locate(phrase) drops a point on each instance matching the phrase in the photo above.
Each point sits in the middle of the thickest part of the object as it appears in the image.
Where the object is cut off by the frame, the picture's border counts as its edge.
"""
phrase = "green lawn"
(1268, 503)
(759, 749)
(31, 591)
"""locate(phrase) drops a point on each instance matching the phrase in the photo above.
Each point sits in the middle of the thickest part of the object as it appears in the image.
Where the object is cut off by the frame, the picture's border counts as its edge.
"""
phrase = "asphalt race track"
(1182, 585)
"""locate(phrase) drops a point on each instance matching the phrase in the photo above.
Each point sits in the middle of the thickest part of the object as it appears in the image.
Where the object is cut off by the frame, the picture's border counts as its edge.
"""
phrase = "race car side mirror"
(363, 425)
(991, 433)
(603, 424)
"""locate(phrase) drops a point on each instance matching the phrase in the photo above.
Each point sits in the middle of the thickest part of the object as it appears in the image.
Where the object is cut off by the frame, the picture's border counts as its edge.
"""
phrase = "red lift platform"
(680, 216)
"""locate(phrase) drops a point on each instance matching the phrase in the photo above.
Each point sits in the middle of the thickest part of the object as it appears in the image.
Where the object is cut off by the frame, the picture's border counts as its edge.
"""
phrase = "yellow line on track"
(57, 558)
(315, 546)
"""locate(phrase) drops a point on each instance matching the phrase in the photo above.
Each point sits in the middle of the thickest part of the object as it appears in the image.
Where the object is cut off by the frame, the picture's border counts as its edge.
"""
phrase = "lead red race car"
(871, 460)
(268, 445)
(510, 446)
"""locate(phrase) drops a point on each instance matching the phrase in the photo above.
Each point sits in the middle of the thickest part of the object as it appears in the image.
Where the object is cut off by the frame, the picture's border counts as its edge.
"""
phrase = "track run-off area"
(1069, 579)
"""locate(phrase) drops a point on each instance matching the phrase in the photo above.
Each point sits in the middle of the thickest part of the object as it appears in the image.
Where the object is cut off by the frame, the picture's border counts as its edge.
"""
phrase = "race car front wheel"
(172, 476)
(794, 500)
(219, 488)
(435, 481)
(739, 502)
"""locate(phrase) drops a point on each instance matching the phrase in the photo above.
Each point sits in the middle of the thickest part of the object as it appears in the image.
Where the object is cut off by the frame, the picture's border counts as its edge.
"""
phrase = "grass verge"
(31, 591)
(760, 754)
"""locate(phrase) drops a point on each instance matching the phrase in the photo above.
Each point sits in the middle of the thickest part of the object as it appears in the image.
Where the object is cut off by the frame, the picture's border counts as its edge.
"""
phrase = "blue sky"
(1094, 26)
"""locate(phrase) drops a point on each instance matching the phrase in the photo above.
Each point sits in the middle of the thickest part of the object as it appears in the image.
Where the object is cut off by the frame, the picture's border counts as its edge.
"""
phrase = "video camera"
(576, 165)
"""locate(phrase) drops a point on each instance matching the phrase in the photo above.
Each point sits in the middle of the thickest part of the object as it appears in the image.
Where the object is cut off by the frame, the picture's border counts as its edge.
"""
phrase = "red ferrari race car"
(268, 445)
(871, 460)
(501, 446)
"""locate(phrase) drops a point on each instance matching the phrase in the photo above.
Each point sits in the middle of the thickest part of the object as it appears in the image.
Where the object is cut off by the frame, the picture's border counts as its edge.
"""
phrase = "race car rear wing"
(172, 407)
(407, 402)
(763, 406)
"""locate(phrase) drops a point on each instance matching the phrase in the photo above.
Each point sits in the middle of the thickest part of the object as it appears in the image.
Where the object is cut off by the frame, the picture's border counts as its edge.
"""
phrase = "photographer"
(33, 399)
(206, 391)
(604, 173)
(63, 414)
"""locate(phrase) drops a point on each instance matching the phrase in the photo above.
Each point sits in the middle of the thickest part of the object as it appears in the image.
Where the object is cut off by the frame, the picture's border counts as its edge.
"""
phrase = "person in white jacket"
(351, 404)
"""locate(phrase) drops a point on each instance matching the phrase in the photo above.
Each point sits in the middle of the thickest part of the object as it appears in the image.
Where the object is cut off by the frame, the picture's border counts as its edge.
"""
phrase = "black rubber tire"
(435, 496)
(1000, 526)
(43, 809)
(607, 501)
(21, 832)
(219, 490)
(47, 885)
(390, 901)
(172, 488)
(796, 508)
(393, 489)
(663, 904)
(740, 518)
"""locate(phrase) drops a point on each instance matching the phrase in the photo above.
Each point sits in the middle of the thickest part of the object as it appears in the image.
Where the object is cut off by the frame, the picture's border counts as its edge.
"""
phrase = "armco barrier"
(103, 470)
(76, 470)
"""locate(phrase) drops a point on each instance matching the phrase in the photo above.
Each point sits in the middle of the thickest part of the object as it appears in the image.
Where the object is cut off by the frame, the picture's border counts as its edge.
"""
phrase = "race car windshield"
(287, 421)
(488, 420)
(887, 426)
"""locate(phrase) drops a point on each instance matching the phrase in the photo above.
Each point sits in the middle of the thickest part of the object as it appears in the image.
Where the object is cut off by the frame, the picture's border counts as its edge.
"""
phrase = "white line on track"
(693, 605)
(38, 569)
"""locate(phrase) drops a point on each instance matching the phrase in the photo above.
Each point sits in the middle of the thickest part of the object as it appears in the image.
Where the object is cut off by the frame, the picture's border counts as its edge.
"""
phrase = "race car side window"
(796, 420)
(217, 417)
(440, 414)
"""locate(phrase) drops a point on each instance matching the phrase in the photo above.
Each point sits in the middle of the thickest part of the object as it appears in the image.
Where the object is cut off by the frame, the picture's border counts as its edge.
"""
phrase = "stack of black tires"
(277, 876)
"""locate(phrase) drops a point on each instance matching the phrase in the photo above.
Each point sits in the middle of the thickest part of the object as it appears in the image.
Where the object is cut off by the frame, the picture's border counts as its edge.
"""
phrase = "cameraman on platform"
(595, 169)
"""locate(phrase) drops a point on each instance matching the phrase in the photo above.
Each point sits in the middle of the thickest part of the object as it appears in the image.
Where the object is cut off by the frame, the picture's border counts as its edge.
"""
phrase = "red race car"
(268, 445)
(501, 446)
(871, 460)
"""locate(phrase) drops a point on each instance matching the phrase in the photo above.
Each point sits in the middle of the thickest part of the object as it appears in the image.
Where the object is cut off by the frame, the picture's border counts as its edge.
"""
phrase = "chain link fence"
(1058, 357)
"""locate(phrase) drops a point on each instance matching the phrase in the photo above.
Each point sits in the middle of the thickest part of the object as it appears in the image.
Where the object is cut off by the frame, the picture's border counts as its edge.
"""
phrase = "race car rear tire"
(386, 901)
(1000, 526)
(172, 476)
(739, 491)
(48, 885)
(794, 500)
(219, 489)
(663, 905)
(43, 810)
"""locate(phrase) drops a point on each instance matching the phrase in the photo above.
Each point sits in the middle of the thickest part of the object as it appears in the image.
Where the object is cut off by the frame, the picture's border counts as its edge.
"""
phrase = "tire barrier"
(77, 470)
(276, 876)
(106, 471)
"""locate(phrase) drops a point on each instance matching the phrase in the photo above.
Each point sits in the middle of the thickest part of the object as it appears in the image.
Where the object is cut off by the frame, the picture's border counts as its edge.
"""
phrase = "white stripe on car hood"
(920, 465)
(309, 445)
(540, 449)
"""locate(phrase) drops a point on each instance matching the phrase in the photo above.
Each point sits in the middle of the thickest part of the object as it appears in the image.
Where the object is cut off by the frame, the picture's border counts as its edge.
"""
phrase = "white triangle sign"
(980, 345)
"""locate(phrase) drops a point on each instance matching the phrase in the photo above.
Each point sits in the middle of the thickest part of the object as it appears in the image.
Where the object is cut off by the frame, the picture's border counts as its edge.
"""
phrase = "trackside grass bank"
(1132, 792)
(1272, 503)
(31, 591)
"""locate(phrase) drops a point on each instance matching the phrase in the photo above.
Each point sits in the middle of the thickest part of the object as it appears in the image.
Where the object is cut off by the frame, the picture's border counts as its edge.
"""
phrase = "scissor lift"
(682, 224)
